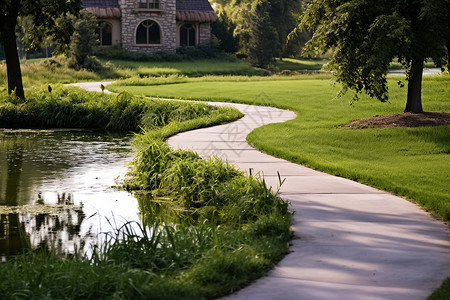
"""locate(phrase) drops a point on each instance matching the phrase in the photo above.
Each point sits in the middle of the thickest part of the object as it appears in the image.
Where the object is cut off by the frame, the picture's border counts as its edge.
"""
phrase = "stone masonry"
(165, 16)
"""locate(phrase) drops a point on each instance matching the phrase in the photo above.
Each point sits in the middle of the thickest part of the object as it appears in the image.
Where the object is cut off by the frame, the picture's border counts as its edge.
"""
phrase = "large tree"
(279, 15)
(43, 13)
(263, 41)
(367, 35)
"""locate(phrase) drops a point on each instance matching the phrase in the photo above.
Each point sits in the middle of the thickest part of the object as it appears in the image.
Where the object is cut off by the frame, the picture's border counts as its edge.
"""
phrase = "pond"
(57, 189)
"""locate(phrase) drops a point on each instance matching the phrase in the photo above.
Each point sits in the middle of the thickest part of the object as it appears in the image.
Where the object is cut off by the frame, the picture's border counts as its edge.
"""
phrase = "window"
(187, 35)
(148, 33)
(104, 31)
(149, 4)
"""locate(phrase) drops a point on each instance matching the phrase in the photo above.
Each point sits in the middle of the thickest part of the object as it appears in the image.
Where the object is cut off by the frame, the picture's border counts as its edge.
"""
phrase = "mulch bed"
(402, 120)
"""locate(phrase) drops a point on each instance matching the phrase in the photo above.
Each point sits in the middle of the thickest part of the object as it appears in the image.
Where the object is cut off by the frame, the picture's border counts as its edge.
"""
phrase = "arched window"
(148, 32)
(104, 31)
(187, 35)
(149, 4)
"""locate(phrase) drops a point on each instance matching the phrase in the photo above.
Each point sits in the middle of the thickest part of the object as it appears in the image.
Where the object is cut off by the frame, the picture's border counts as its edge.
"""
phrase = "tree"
(84, 39)
(43, 13)
(263, 42)
(283, 15)
(223, 30)
(367, 35)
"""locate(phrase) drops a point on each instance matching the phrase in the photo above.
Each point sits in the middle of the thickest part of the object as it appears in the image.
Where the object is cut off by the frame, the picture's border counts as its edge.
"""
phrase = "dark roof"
(187, 10)
(194, 5)
(100, 3)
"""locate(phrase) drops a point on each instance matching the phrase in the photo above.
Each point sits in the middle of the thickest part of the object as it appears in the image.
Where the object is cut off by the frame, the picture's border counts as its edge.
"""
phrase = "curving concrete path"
(351, 241)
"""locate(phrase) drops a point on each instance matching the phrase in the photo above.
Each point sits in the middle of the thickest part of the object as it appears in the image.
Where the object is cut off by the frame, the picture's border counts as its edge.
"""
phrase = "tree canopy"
(43, 14)
(367, 35)
(253, 20)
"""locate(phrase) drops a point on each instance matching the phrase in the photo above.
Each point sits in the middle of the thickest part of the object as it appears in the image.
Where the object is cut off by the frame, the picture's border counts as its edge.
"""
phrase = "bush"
(182, 53)
(83, 40)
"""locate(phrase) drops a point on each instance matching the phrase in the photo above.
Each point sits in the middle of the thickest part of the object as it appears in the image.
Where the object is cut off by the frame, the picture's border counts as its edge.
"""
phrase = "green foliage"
(76, 108)
(223, 30)
(160, 262)
(368, 35)
(182, 54)
(43, 14)
(240, 17)
(63, 33)
(443, 292)
(210, 190)
(263, 36)
(69, 108)
(83, 41)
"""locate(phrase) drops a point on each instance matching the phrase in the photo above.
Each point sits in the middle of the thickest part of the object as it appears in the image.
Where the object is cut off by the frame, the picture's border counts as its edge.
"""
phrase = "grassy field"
(41, 72)
(37, 72)
(410, 162)
(199, 67)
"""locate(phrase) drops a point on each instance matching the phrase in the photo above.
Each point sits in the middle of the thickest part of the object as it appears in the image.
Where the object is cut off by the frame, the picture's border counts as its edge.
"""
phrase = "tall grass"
(163, 262)
(69, 107)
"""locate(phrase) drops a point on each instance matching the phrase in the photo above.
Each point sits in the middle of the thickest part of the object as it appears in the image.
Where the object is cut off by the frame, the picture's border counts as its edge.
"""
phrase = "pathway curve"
(351, 241)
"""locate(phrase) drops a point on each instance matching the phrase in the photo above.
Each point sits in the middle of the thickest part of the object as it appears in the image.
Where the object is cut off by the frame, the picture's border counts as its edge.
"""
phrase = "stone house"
(148, 26)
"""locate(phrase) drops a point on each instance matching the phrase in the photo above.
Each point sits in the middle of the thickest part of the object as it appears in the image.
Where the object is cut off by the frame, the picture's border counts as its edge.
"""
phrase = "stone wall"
(205, 34)
(132, 16)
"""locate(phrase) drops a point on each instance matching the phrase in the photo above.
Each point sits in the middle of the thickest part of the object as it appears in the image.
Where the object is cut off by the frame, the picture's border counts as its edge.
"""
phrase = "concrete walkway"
(350, 241)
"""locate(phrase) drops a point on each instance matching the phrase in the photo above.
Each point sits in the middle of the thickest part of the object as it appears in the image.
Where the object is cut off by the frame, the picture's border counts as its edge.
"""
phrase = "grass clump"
(207, 190)
(70, 107)
(443, 292)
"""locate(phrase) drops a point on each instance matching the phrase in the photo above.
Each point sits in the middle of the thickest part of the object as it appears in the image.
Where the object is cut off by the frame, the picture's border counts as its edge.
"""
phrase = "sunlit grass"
(411, 162)
(198, 67)
(295, 64)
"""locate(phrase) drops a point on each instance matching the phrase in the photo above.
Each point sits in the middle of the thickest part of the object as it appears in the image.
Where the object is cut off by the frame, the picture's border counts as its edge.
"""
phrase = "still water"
(57, 189)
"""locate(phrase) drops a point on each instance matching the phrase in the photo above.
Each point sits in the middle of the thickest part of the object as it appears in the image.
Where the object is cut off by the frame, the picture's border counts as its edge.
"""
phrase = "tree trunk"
(414, 98)
(8, 38)
(12, 63)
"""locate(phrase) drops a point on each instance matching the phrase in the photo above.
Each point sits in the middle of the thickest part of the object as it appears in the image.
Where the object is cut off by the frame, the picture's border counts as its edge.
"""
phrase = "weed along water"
(57, 189)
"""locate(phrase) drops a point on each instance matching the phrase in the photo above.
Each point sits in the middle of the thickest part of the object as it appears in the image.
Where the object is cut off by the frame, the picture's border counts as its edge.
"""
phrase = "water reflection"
(56, 188)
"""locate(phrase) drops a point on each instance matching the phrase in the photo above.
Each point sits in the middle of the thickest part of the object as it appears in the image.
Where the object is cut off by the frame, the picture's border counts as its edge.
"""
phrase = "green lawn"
(410, 162)
(294, 64)
(199, 67)
(37, 72)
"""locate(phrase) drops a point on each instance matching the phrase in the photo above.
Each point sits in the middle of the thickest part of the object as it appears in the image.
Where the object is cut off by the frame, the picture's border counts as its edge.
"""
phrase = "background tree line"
(259, 29)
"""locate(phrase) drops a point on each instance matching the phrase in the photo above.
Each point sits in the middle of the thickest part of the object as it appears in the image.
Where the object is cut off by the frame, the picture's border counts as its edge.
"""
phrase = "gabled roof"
(193, 5)
(103, 8)
(195, 11)
(187, 10)
(100, 3)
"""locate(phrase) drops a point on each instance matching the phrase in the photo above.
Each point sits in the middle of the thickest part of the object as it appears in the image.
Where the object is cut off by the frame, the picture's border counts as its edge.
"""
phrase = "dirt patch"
(402, 120)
